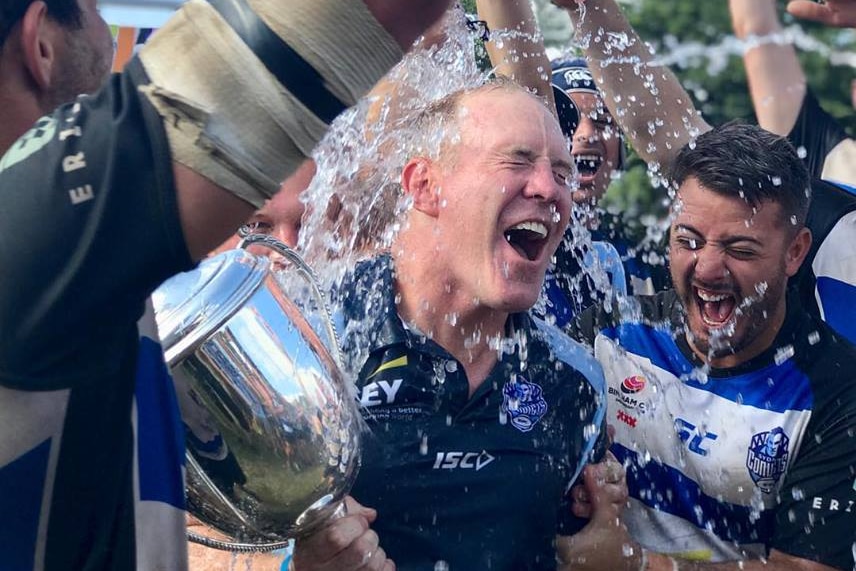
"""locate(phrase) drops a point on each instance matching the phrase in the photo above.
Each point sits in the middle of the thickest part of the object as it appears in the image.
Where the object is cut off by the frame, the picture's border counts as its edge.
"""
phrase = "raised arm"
(654, 111)
(776, 80)
(837, 13)
(516, 47)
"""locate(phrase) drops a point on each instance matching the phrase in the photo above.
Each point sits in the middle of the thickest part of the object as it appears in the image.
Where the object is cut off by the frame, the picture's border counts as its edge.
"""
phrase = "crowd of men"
(725, 379)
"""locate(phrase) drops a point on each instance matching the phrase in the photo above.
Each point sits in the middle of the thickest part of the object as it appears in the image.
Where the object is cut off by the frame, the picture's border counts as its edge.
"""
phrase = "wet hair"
(747, 162)
(65, 12)
(438, 123)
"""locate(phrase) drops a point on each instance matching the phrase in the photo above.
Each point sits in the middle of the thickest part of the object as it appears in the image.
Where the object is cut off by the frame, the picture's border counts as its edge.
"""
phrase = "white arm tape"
(227, 117)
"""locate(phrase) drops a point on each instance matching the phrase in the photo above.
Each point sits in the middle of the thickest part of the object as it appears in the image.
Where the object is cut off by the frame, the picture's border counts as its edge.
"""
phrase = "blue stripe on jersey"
(22, 508)
(843, 185)
(838, 299)
(160, 432)
(666, 489)
(778, 388)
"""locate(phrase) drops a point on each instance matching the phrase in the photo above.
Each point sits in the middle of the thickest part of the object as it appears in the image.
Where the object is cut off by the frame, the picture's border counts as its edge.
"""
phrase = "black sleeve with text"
(89, 228)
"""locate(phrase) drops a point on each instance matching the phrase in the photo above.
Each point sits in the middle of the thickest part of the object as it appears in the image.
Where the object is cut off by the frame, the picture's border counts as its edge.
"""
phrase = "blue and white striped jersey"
(724, 464)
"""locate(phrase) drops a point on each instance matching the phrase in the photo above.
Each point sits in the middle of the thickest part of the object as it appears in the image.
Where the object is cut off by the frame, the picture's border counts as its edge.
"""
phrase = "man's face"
(280, 217)
(595, 147)
(504, 199)
(730, 263)
(84, 60)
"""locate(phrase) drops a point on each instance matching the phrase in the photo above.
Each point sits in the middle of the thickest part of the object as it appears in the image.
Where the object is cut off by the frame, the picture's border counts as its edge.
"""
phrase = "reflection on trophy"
(272, 431)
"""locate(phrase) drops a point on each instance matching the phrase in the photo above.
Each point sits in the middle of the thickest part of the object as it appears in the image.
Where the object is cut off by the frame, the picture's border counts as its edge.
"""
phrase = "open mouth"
(716, 308)
(588, 164)
(527, 238)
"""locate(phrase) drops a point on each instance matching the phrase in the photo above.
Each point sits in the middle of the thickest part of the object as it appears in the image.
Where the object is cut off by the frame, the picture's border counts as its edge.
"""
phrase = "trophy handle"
(304, 269)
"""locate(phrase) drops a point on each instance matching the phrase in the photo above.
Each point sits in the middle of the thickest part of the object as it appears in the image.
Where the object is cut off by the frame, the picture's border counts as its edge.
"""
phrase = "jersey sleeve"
(816, 517)
(834, 268)
(90, 228)
(817, 132)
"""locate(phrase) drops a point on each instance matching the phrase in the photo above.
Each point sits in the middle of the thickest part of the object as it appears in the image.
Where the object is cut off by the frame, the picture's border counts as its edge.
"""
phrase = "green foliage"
(696, 39)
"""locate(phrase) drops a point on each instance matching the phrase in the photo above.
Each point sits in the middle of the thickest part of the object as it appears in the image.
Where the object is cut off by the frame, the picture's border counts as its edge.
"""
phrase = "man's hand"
(607, 480)
(604, 543)
(837, 13)
(346, 544)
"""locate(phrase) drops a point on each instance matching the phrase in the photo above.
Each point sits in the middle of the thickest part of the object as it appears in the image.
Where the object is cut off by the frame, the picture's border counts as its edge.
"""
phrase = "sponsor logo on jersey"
(767, 458)
(632, 385)
(693, 436)
(380, 392)
(462, 460)
(523, 402)
(627, 401)
(626, 419)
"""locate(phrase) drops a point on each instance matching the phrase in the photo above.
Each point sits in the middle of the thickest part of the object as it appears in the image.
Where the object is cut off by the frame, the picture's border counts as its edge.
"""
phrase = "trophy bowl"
(272, 431)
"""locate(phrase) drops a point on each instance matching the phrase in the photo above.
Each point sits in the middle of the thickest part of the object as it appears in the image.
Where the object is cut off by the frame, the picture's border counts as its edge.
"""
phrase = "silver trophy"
(272, 430)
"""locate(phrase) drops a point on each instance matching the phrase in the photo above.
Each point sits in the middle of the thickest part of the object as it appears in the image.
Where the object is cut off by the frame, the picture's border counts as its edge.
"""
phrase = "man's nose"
(586, 132)
(710, 264)
(544, 184)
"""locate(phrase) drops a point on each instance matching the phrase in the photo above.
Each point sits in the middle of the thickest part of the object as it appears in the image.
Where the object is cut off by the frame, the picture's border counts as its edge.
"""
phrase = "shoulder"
(568, 351)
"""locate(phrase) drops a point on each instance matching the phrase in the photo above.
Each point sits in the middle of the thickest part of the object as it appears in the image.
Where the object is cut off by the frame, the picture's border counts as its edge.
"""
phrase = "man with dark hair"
(659, 118)
(108, 196)
(481, 414)
(50, 52)
(732, 413)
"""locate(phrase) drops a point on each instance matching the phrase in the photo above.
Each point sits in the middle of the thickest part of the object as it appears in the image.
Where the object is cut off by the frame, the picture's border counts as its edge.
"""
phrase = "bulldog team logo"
(523, 402)
(767, 458)
(633, 384)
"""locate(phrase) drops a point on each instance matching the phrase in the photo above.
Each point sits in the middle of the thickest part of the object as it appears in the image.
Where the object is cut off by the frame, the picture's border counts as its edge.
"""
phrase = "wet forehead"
(590, 105)
(720, 217)
(502, 118)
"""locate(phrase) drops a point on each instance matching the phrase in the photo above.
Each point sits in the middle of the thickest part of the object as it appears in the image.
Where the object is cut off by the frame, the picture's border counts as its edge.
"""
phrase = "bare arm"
(654, 111)
(776, 79)
(516, 47)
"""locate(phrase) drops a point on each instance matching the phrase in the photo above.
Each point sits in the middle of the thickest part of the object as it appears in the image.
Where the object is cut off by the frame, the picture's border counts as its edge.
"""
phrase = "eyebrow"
(730, 240)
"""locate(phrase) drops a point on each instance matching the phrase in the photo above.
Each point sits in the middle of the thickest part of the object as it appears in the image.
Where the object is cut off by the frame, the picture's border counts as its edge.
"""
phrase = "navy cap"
(572, 75)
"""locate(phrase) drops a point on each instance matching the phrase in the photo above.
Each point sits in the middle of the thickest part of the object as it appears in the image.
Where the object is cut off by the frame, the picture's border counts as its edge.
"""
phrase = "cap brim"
(566, 109)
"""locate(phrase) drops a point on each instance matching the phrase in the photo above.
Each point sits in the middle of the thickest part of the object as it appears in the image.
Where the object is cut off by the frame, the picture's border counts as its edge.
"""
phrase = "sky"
(137, 13)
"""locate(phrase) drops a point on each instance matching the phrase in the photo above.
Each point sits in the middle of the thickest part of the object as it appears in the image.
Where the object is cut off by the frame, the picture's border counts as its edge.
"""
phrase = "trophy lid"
(191, 305)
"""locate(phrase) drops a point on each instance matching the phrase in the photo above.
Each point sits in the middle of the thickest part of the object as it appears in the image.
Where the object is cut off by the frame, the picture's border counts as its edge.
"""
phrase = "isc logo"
(465, 460)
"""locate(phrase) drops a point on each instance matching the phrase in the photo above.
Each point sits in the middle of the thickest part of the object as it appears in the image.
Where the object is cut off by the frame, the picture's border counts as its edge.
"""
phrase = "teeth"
(705, 296)
(535, 227)
(590, 158)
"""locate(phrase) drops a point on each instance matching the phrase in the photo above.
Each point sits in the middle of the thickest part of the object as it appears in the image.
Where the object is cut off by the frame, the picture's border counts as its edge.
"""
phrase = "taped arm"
(516, 46)
(255, 88)
(777, 83)
(660, 117)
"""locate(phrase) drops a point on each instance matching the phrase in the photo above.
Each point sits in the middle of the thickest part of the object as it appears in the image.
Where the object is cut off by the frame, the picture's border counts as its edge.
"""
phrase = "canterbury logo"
(463, 460)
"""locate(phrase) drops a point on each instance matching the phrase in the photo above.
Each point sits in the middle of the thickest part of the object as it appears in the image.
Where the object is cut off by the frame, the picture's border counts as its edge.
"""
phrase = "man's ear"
(38, 37)
(797, 251)
(418, 180)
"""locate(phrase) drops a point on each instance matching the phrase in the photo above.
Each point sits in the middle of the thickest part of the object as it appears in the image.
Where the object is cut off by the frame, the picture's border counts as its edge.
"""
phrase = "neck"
(431, 302)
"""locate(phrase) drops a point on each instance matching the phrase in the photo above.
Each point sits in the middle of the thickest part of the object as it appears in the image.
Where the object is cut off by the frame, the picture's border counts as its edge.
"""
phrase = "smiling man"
(481, 415)
(733, 407)
(598, 152)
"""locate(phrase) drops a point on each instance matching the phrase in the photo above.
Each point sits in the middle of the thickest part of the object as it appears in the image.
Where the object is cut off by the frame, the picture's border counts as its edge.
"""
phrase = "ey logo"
(381, 392)
(692, 436)
(464, 460)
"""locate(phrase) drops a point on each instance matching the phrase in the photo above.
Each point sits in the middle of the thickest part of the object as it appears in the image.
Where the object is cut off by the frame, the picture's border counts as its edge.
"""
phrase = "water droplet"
(814, 338)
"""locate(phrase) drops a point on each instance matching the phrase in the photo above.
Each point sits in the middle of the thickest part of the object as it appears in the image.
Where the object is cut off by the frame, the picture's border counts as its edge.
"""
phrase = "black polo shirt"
(461, 482)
